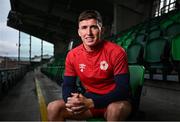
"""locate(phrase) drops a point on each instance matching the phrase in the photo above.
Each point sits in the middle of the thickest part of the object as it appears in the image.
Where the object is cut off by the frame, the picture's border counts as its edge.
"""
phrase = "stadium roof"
(53, 20)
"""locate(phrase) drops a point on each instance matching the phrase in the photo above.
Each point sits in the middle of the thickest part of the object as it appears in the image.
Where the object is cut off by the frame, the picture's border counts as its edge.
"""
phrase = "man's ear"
(79, 33)
(102, 30)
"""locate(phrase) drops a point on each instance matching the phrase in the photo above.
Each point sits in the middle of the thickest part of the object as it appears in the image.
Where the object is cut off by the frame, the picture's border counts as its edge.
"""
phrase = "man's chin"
(90, 43)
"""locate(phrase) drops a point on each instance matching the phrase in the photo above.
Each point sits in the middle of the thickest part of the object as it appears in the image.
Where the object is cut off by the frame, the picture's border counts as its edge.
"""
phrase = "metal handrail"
(10, 76)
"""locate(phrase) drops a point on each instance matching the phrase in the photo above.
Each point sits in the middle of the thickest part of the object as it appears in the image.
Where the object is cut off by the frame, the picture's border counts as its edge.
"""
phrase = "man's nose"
(89, 31)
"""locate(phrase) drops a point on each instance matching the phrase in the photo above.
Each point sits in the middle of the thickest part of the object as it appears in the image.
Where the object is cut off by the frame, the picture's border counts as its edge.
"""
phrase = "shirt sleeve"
(120, 62)
(69, 65)
(68, 87)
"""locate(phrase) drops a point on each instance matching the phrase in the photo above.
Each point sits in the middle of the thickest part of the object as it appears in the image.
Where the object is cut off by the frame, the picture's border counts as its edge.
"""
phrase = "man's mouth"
(89, 38)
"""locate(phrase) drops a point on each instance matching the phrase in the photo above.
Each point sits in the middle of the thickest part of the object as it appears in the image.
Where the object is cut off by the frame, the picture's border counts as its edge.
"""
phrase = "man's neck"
(93, 48)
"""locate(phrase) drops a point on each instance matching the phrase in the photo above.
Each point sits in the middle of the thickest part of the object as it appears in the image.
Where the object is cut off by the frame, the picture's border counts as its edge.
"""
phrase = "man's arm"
(69, 86)
(121, 92)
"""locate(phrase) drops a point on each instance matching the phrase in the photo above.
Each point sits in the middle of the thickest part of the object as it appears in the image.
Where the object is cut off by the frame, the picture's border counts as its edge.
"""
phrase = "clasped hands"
(78, 104)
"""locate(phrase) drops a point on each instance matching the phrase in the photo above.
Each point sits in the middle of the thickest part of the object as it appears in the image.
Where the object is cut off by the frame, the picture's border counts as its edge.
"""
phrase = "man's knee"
(119, 106)
(118, 110)
(55, 110)
(55, 106)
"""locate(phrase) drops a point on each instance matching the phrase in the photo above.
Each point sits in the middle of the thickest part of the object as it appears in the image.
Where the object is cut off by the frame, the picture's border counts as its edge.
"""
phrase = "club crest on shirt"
(103, 65)
(82, 67)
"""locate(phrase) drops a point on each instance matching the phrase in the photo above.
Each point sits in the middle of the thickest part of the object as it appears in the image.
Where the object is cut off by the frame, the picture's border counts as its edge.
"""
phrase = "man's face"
(90, 32)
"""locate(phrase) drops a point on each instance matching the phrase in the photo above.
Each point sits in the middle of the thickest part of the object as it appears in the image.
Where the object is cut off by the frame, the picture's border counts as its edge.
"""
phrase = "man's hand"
(77, 103)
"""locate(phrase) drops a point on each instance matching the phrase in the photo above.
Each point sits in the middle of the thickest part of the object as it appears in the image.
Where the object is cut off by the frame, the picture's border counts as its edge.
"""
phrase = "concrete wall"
(129, 13)
(60, 47)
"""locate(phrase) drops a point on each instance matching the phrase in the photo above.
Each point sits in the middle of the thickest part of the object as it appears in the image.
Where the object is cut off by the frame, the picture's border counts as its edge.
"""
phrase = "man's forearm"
(68, 87)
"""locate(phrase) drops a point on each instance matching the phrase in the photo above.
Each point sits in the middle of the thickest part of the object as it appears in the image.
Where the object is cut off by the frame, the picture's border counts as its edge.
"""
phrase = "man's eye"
(83, 27)
(94, 27)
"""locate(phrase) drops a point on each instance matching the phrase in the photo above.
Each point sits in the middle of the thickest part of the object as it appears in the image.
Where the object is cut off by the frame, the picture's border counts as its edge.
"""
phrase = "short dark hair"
(90, 14)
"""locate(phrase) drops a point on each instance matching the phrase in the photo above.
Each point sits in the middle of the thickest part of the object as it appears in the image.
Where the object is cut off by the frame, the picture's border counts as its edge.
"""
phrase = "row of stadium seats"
(161, 27)
(55, 68)
(154, 43)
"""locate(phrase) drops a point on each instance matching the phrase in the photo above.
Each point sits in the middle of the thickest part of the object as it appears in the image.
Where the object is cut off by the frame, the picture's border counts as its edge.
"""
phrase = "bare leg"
(117, 111)
(57, 112)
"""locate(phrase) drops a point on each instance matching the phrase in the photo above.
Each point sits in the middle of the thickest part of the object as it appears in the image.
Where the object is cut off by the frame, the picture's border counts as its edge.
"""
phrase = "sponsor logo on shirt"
(82, 67)
(103, 65)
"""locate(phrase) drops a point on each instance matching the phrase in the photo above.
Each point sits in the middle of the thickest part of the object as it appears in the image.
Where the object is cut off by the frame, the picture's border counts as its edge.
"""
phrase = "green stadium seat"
(136, 81)
(140, 38)
(119, 40)
(142, 29)
(175, 53)
(175, 49)
(154, 49)
(135, 53)
(165, 23)
(154, 52)
(154, 34)
(153, 26)
(127, 42)
(175, 17)
(53, 72)
(172, 30)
